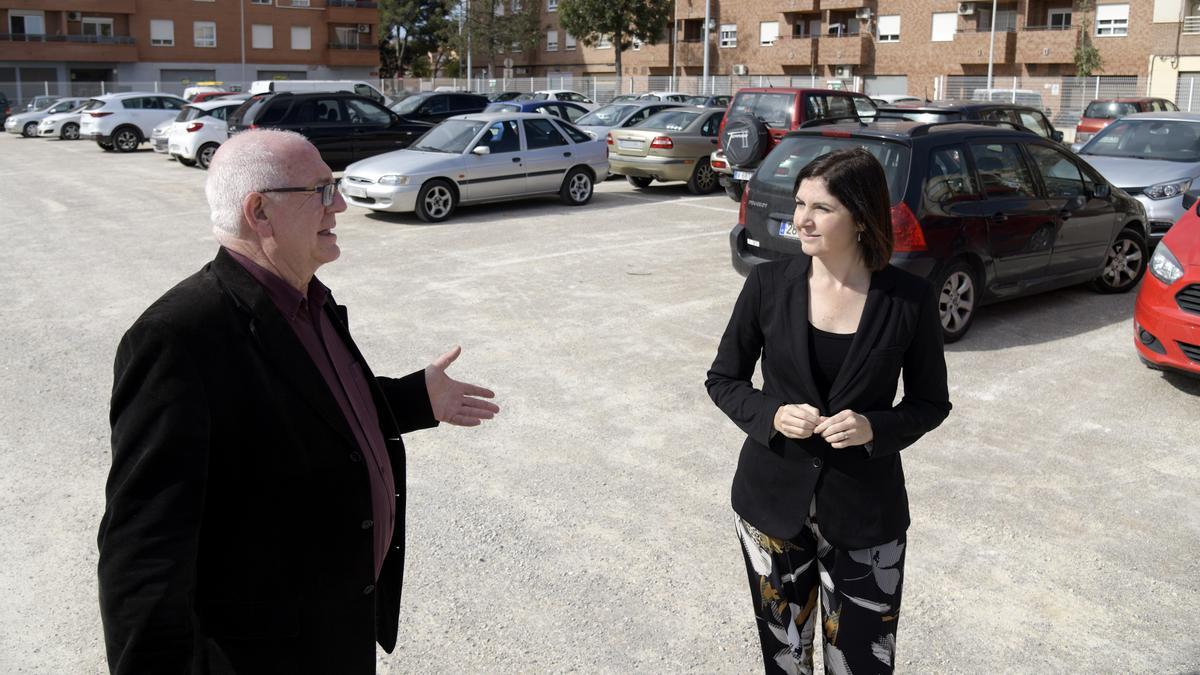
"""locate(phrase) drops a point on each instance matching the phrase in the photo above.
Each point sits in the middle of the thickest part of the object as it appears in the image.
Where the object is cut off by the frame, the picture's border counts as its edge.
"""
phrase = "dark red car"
(209, 95)
(1101, 112)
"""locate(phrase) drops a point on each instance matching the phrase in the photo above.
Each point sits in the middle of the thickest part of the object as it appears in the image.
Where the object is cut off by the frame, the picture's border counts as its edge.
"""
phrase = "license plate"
(743, 175)
(354, 191)
(788, 229)
(629, 145)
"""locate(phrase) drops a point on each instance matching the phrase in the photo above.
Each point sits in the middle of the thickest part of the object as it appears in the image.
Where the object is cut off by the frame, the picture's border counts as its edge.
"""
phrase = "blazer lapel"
(874, 319)
(278, 344)
(796, 318)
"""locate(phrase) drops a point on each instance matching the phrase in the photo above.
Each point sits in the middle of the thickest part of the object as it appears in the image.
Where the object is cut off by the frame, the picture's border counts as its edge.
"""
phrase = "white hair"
(250, 161)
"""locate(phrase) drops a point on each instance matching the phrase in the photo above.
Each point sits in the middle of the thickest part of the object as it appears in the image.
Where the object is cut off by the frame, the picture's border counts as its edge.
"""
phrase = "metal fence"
(603, 89)
(1063, 99)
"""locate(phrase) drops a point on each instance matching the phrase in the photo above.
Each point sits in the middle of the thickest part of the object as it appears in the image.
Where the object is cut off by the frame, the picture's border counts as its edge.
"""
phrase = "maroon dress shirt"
(344, 376)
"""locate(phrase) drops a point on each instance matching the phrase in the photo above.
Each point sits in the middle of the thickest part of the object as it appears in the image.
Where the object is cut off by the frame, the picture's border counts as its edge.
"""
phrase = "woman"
(819, 490)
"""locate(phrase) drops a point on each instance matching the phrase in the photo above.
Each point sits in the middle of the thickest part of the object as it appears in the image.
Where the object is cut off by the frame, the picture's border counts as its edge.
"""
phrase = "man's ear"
(254, 211)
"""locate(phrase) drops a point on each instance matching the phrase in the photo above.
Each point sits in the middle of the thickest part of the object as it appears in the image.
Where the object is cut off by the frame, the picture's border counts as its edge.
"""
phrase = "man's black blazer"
(861, 500)
(237, 534)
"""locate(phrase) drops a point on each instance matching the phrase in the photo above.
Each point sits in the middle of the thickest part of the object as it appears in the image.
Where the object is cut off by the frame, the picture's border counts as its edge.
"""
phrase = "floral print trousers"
(859, 593)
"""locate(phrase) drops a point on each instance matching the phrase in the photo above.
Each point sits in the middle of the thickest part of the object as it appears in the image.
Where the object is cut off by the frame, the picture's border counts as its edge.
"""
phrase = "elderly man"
(255, 506)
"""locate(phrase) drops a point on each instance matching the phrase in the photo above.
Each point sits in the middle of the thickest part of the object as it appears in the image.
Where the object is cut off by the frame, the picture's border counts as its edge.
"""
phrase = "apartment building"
(75, 45)
(895, 46)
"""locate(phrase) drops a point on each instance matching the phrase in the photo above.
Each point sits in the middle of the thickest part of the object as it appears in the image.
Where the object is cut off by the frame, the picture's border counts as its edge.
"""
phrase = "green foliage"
(419, 30)
(622, 21)
(495, 26)
(1087, 57)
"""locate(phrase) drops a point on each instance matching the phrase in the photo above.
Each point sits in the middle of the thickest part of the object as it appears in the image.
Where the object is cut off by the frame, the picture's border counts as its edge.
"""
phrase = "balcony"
(841, 4)
(352, 11)
(691, 53)
(972, 47)
(850, 50)
(1047, 44)
(804, 6)
(98, 6)
(353, 54)
(88, 48)
(796, 51)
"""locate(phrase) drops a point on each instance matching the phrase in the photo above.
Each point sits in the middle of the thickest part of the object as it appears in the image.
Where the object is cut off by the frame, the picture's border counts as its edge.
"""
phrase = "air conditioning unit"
(74, 16)
(741, 69)
(843, 72)
(863, 14)
(966, 8)
(364, 28)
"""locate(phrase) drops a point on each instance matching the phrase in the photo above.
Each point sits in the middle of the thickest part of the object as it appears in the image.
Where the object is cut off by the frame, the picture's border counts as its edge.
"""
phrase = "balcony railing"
(360, 4)
(1053, 27)
(1191, 24)
(79, 39)
(353, 45)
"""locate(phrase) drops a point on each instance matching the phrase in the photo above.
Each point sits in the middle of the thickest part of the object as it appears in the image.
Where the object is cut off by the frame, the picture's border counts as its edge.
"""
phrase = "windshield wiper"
(426, 148)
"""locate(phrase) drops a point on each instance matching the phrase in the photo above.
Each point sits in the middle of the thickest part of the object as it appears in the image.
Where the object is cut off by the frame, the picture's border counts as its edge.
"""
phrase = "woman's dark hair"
(857, 180)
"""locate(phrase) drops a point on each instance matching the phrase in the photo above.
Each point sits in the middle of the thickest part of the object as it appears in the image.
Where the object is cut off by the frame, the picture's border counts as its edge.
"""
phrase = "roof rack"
(923, 129)
(831, 120)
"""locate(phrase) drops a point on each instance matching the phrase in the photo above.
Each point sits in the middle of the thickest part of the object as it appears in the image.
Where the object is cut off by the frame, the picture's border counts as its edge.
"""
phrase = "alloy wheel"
(1122, 264)
(580, 188)
(956, 301)
(437, 202)
(126, 140)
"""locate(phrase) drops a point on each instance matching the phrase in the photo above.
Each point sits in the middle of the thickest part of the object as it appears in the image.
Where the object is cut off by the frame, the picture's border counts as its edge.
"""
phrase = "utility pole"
(991, 50)
(469, 71)
(242, 13)
(707, 23)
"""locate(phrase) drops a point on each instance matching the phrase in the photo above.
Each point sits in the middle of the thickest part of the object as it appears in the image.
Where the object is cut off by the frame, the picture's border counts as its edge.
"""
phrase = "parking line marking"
(615, 247)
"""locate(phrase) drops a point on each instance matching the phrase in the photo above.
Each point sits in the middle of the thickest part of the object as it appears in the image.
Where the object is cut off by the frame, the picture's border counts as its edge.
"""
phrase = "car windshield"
(1171, 140)
(607, 116)
(794, 153)
(668, 120)
(451, 136)
(1107, 110)
(536, 96)
(409, 105)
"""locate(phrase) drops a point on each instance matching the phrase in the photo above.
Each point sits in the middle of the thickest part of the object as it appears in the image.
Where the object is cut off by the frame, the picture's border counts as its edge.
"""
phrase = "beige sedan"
(671, 145)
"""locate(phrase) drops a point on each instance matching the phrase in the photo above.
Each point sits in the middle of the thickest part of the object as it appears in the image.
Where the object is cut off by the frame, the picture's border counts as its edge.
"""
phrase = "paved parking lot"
(588, 528)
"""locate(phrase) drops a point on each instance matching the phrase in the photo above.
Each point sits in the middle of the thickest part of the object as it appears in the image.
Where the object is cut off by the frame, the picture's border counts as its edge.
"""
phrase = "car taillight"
(195, 126)
(662, 143)
(742, 207)
(718, 164)
(99, 114)
(609, 140)
(906, 230)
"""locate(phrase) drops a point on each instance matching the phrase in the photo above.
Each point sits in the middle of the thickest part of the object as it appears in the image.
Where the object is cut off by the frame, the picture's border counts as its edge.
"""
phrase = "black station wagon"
(986, 212)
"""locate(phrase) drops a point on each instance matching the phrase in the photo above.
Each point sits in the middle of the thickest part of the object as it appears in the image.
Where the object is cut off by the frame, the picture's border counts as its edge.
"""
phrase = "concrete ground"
(1055, 519)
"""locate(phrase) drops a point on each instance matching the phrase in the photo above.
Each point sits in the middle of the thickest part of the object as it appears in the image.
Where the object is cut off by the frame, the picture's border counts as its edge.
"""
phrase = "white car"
(124, 121)
(199, 130)
(482, 157)
(672, 96)
(64, 125)
(26, 123)
(558, 95)
(159, 137)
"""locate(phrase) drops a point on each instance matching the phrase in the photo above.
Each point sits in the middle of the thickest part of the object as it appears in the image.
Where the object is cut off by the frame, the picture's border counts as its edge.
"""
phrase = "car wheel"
(958, 297)
(435, 201)
(126, 139)
(1124, 264)
(29, 130)
(576, 189)
(205, 154)
(639, 181)
(185, 162)
(703, 180)
(107, 147)
(70, 132)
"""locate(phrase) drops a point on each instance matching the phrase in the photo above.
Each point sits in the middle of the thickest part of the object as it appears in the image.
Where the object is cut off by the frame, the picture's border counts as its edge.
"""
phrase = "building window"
(26, 22)
(301, 37)
(1058, 19)
(261, 2)
(97, 27)
(768, 33)
(516, 47)
(346, 36)
(637, 45)
(162, 32)
(945, 25)
(551, 5)
(605, 42)
(1112, 20)
(569, 42)
(300, 3)
(887, 29)
(204, 34)
(261, 36)
(551, 40)
(728, 35)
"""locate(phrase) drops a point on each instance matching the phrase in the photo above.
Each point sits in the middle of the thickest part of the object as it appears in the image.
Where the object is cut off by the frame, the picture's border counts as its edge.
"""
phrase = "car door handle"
(566, 154)
(998, 217)
(516, 160)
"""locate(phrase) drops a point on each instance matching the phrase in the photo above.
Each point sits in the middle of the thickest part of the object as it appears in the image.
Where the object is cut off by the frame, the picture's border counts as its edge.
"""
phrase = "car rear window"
(775, 110)
(1107, 110)
(923, 117)
(669, 120)
(792, 154)
(575, 134)
(93, 104)
(189, 113)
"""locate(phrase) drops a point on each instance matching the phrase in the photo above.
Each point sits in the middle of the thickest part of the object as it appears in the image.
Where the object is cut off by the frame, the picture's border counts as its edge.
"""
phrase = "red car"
(209, 95)
(1101, 112)
(1166, 318)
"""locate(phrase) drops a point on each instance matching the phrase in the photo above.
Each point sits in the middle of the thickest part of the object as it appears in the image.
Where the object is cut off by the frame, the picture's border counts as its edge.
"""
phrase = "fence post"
(46, 86)
(102, 92)
(156, 87)
(1191, 88)
(1097, 87)
(1014, 90)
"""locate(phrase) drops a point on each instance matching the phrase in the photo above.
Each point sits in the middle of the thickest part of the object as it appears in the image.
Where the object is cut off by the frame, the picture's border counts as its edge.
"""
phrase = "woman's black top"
(826, 354)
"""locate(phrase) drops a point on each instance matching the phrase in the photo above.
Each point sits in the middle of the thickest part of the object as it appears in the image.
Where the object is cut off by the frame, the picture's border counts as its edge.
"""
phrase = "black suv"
(344, 127)
(986, 212)
(433, 107)
(5, 108)
(969, 111)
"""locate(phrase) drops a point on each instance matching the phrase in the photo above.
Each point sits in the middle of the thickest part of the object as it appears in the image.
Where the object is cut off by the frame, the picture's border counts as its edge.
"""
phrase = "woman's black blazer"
(861, 500)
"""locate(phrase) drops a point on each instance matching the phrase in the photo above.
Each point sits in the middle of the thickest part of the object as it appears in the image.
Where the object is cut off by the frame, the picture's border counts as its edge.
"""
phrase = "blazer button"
(355, 457)
(368, 589)
(366, 524)
(816, 462)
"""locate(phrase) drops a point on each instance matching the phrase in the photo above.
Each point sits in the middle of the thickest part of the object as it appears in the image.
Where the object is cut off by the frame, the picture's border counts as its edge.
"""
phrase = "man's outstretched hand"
(454, 402)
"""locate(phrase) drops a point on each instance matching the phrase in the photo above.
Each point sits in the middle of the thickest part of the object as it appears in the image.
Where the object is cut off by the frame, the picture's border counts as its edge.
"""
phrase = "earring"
(860, 235)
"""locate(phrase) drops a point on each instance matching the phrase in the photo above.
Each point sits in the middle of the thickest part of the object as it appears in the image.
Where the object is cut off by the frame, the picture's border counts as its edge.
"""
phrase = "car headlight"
(1168, 190)
(1164, 265)
(393, 179)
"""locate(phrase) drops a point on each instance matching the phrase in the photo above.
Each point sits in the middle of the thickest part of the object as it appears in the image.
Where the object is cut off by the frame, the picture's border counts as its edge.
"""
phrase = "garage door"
(875, 85)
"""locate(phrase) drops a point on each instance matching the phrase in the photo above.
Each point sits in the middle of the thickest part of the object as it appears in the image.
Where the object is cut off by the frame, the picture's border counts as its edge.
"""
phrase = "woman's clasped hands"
(841, 430)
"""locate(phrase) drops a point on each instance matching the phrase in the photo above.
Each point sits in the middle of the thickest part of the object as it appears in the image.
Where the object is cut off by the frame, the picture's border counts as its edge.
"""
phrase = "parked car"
(668, 146)
(344, 127)
(210, 95)
(503, 96)
(40, 102)
(478, 158)
(558, 95)
(5, 107)
(600, 121)
(563, 109)
(190, 93)
(160, 137)
(1166, 316)
(1153, 156)
(673, 96)
(721, 102)
(1027, 97)
(1101, 112)
(194, 139)
(360, 87)
(758, 117)
(967, 111)
(428, 108)
(26, 123)
(985, 212)
(891, 99)
(122, 122)
(624, 98)
(64, 125)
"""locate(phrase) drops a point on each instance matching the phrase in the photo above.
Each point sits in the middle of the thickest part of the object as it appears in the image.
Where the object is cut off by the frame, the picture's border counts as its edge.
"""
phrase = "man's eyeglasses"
(327, 191)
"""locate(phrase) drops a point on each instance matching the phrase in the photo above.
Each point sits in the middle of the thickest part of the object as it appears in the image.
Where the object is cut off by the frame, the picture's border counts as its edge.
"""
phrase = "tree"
(1087, 57)
(418, 29)
(619, 21)
(496, 26)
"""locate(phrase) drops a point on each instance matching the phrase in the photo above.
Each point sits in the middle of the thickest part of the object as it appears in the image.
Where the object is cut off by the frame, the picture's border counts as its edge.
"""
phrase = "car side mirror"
(1057, 136)
(481, 150)
(1101, 191)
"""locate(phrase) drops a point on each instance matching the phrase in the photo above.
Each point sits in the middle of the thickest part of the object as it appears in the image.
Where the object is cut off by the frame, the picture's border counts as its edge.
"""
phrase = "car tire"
(1124, 264)
(753, 140)
(436, 201)
(29, 130)
(205, 154)
(958, 299)
(640, 182)
(703, 180)
(126, 139)
(70, 132)
(185, 162)
(577, 187)
(107, 147)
